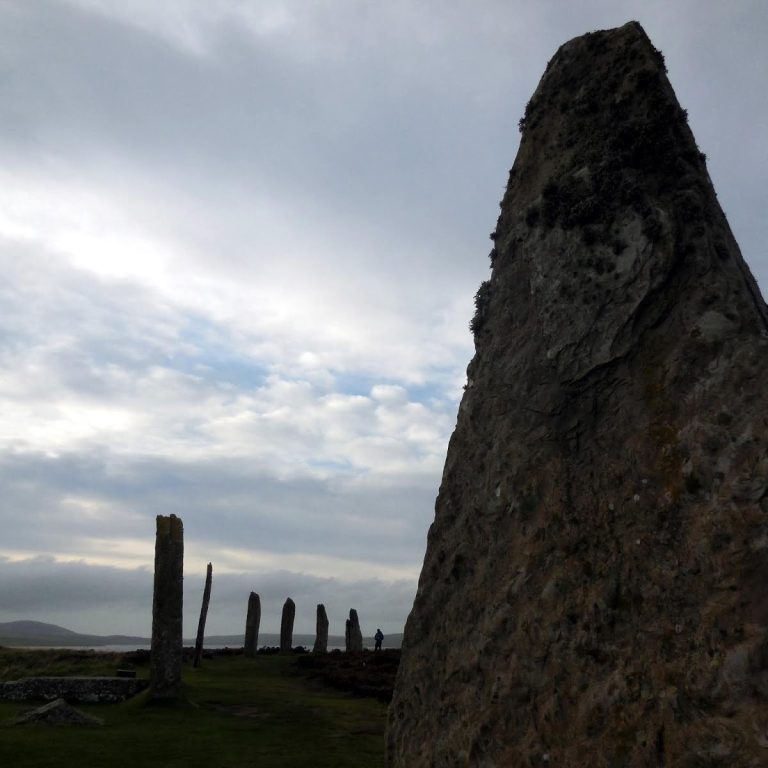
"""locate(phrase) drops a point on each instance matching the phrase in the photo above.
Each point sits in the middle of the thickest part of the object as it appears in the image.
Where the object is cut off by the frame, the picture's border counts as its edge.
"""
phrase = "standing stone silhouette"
(353, 635)
(286, 626)
(321, 635)
(252, 622)
(594, 586)
(203, 616)
(167, 609)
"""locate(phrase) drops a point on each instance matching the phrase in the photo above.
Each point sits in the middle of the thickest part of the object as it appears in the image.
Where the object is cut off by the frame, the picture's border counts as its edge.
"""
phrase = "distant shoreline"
(146, 646)
(34, 634)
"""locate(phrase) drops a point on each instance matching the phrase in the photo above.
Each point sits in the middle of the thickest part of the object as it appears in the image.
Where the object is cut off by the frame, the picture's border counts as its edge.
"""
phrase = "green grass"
(239, 712)
(16, 663)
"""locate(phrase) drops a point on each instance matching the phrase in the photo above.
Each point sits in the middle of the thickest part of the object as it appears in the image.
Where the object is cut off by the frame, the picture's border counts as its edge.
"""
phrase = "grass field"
(240, 712)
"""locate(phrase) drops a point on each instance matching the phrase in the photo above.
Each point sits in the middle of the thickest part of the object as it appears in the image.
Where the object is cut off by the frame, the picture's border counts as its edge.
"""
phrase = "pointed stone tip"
(616, 42)
(632, 26)
(604, 107)
(629, 29)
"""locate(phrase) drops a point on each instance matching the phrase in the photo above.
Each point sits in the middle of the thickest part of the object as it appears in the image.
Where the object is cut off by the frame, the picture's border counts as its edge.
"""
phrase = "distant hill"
(32, 629)
(38, 633)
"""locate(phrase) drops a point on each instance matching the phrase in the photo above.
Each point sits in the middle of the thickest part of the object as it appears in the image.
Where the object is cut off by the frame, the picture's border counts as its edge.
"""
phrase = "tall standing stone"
(203, 616)
(286, 626)
(353, 635)
(252, 621)
(594, 587)
(167, 609)
(321, 634)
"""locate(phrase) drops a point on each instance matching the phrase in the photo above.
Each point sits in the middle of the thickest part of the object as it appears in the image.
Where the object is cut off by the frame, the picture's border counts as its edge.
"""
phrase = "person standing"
(379, 638)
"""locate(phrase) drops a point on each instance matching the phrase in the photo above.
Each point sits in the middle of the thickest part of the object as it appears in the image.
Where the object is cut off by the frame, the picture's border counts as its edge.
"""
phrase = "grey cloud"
(387, 135)
(223, 503)
(38, 587)
(409, 121)
(106, 600)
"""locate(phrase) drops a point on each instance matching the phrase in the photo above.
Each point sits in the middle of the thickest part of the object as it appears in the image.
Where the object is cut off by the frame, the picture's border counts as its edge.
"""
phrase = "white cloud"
(103, 380)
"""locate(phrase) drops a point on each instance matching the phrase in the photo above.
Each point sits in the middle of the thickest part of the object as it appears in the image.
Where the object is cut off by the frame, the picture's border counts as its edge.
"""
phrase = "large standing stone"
(203, 616)
(321, 636)
(252, 621)
(286, 626)
(594, 587)
(167, 607)
(353, 635)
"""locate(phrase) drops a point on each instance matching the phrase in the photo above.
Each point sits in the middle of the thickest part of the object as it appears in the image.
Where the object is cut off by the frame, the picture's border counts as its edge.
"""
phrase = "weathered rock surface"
(321, 633)
(286, 626)
(57, 712)
(167, 609)
(353, 636)
(594, 587)
(252, 622)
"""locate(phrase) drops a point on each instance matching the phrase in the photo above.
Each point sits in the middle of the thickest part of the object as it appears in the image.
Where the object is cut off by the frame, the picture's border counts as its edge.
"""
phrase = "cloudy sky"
(239, 243)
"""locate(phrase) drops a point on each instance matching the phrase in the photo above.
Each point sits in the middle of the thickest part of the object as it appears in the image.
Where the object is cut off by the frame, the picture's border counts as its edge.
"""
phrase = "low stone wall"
(72, 689)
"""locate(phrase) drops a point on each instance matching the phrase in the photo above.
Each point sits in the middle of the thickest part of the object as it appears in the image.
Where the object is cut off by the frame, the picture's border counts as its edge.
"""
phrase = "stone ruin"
(56, 713)
(321, 635)
(286, 626)
(594, 586)
(252, 621)
(167, 605)
(353, 637)
(86, 690)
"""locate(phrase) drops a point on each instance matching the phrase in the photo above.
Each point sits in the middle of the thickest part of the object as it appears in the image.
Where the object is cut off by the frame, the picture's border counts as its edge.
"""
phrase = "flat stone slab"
(89, 690)
(56, 712)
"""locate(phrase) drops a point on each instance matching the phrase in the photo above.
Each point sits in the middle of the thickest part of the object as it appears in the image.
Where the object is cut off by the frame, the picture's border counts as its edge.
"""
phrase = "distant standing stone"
(203, 616)
(167, 606)
(321, 637)
(354, 636)
(252, 621)
(286, 626)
